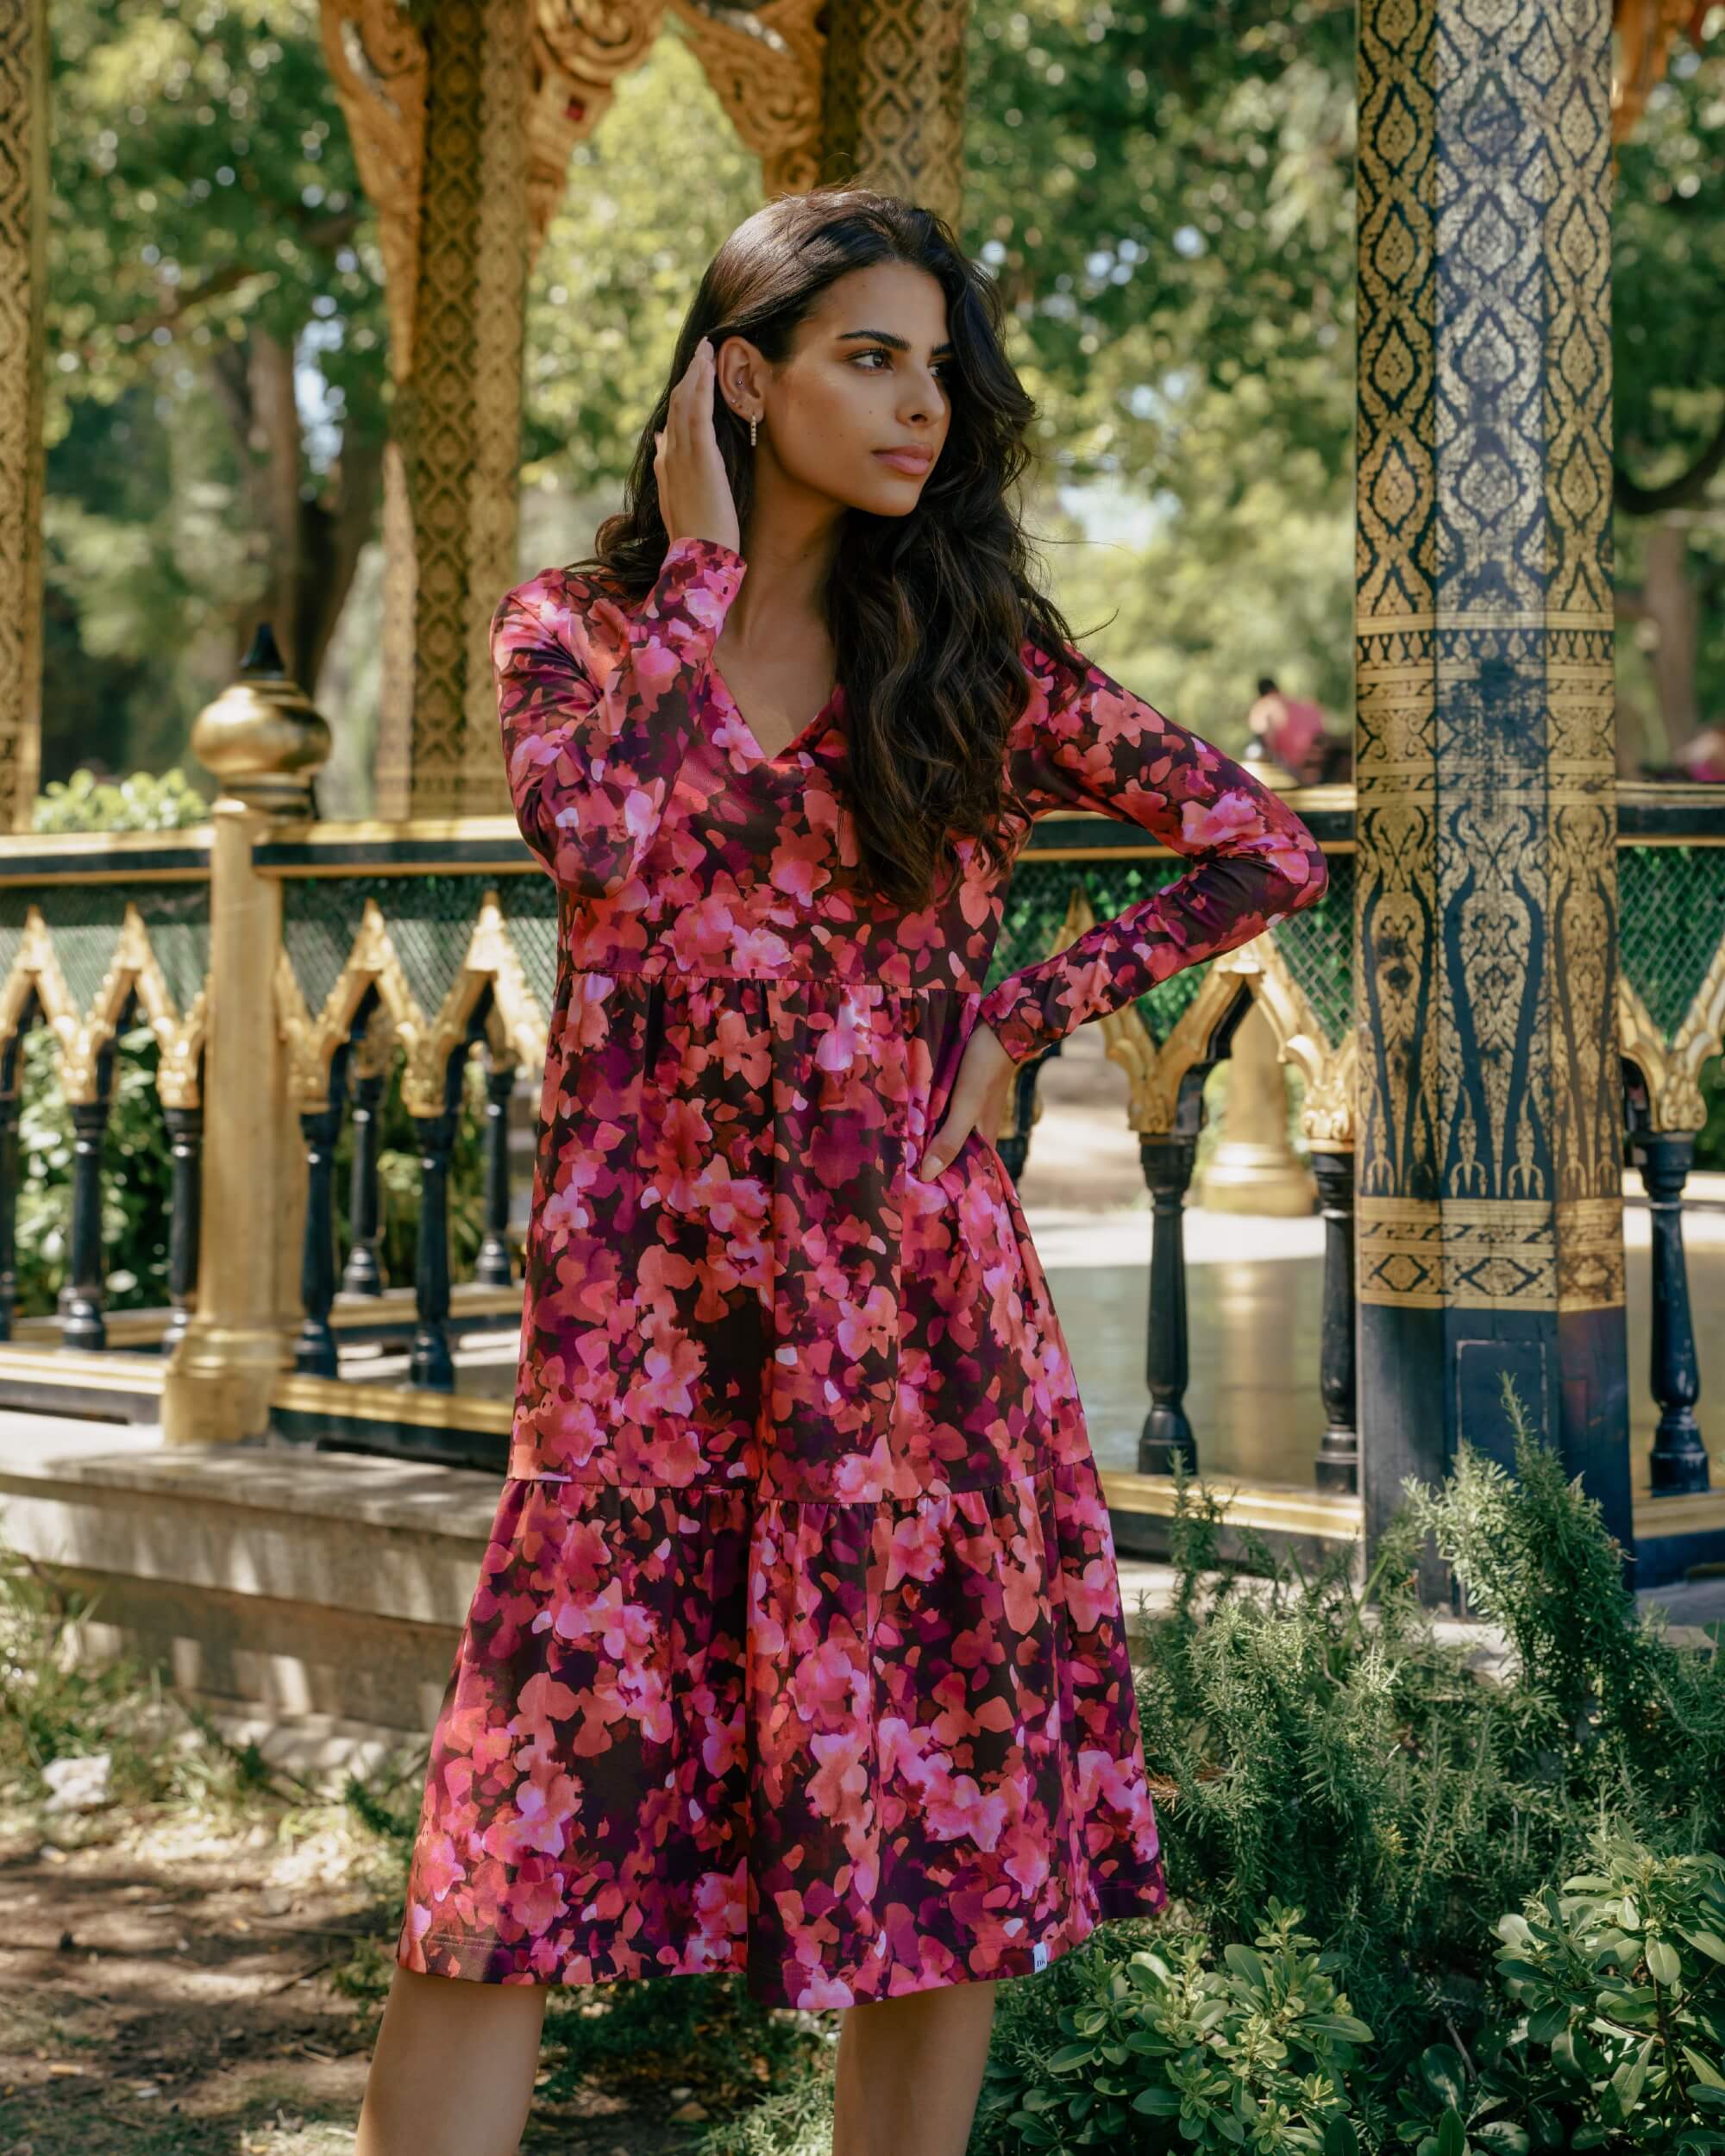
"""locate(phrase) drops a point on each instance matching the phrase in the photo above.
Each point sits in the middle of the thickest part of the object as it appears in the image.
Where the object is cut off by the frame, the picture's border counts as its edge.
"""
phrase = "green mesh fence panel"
(1317, 945)
(176, 916)
(430, 921)
(319, 919)
(83, 921)
(1671, 910)
(530, 914)
(15, 904)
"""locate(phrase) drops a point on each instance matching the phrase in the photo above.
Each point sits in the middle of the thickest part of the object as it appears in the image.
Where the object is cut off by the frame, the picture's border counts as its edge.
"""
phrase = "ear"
(737, 369)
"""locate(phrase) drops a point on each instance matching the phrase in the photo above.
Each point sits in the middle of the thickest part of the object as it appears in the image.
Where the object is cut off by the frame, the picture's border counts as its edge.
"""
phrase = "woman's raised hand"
(695, 489)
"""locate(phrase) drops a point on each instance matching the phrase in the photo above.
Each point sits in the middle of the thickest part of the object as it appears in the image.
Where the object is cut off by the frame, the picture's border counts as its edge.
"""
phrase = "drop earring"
(754, 425)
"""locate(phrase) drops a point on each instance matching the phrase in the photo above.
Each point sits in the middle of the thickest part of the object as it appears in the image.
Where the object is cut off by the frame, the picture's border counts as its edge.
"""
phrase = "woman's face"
(859, 411)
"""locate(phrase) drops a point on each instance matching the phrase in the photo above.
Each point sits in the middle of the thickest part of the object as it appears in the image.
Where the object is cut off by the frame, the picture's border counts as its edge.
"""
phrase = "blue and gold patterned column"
(1490, 1228)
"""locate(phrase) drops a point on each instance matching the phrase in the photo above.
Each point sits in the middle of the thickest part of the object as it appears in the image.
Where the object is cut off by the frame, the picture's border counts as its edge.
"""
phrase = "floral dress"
(797, 1649)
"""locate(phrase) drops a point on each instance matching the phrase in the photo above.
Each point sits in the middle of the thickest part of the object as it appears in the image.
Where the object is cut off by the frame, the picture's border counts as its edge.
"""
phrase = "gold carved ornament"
(516, 1027)
(81, 1036)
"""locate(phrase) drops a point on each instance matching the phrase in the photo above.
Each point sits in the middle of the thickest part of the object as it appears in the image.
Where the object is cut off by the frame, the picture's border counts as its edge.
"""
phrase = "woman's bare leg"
(452, 2074)
(910, 2070)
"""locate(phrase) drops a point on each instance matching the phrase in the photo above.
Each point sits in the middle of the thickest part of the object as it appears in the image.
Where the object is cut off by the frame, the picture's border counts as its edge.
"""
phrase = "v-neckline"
(735, 711)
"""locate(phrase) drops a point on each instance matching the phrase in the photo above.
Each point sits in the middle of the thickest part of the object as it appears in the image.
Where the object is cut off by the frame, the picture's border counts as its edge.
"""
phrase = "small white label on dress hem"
(1038, 1955)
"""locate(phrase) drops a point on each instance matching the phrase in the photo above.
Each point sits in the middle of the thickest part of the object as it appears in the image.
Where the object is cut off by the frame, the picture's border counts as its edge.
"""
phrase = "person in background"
(1704, 756)
(1292, 731)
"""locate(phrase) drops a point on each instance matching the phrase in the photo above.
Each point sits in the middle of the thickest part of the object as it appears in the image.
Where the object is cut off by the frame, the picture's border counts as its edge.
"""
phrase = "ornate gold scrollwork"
(765, 65)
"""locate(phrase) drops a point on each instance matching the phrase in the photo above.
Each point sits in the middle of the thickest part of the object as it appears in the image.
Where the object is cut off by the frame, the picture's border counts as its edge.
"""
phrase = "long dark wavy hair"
(927, 612)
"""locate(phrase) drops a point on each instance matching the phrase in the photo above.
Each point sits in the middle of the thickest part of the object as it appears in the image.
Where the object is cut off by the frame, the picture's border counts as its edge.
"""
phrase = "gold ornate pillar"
(893, 102)
(264, 744)
(439, 117)
(23, 211)
(1489, 1230)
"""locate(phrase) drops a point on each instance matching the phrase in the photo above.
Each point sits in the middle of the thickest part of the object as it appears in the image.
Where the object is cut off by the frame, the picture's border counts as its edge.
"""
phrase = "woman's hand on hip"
(978, 1102)
(688, 468)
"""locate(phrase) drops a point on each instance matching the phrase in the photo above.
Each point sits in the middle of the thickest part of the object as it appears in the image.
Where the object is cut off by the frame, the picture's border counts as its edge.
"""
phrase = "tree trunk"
(312, 542)
(1666, 598)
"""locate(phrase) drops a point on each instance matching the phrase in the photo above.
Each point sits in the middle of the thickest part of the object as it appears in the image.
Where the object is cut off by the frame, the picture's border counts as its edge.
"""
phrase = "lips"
(915, 462)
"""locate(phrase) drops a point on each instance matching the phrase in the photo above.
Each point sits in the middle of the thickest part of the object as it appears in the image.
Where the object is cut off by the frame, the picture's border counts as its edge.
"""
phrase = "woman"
(797, 1649)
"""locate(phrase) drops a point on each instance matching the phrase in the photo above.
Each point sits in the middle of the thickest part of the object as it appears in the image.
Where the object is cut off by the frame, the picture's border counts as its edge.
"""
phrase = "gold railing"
(294, 983)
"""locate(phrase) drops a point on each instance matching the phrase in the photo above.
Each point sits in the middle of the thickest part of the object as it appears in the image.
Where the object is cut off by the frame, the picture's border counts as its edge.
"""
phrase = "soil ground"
(169, 1988)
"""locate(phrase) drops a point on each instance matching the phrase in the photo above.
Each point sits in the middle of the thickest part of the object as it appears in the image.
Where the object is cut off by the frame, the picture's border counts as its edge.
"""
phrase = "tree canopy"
(1164, 191)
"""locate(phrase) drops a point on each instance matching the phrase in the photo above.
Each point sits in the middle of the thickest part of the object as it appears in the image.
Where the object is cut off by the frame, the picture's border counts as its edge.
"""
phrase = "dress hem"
(1112, 1905)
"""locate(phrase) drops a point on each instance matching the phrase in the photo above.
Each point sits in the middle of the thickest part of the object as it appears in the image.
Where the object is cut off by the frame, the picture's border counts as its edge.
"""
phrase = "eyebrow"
(887, 336)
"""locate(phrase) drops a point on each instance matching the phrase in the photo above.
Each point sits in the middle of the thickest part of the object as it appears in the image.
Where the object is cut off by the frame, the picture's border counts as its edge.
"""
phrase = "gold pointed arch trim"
(516, 1027)
(81, 1036)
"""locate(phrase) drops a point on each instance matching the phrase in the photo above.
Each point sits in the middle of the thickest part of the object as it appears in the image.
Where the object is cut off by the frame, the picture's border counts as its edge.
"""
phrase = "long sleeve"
(597, 707)
(1107, 750)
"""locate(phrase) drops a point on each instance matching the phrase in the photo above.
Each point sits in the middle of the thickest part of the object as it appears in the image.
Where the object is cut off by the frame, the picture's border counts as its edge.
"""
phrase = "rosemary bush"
(1321, 1762)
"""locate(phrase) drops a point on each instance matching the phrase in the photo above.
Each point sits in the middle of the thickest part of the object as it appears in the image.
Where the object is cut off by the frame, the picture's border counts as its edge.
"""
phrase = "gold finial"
(263, 737)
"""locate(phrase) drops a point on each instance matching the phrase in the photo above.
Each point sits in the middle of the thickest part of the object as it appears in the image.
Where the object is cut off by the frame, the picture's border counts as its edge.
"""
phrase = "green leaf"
(1344, 2025)
(1663, 1963)
(1071, 2055)
(1625, 2083)
(1549, 2023)
(1709, 1943)
(1501, 2138)
(1157, 2104)
(1452, 2134)
(1340, 2139)
(1703, 2068)
(1445, 2076)
(1245, 1962)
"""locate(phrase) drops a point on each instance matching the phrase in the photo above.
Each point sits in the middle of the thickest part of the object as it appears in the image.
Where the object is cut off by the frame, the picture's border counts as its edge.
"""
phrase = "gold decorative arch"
(83, 1035)
(516, 1025)
(1154, 1071)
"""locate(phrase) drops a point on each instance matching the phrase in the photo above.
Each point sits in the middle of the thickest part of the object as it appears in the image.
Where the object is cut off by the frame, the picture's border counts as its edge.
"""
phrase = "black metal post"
(1337, 1466)
(430, 1362)
(82, 1325)
(314, 1353)
(363, 1272)
(1679, 1461)
(1168, 1157)
(9, 1058)
(493, 1269)
(185, 1141)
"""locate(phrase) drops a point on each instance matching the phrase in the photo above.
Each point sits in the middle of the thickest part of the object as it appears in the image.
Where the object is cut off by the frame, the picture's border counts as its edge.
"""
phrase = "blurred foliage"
(203, 197)
(1180, 283)
(1667, 301)
(142, 802)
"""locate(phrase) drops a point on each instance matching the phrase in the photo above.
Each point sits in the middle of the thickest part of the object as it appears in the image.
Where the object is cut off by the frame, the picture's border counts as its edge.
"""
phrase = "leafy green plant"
(1621, 1978)
(1184, 2048)
(141, 802)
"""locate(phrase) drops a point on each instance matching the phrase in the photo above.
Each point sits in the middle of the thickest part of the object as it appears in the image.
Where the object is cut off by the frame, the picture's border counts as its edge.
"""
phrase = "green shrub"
(1315, 1752)
(1167, 2051)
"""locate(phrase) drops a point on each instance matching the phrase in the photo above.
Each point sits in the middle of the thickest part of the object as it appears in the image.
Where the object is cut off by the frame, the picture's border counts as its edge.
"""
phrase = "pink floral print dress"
(797, 1649)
